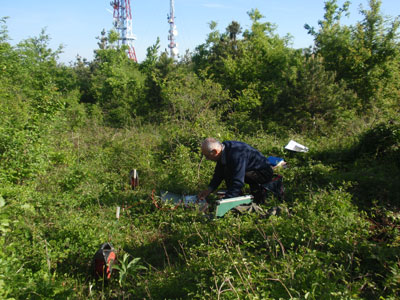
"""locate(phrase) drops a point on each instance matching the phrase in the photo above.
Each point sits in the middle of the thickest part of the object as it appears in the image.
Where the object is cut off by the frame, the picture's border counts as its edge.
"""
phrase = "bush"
(381, 141)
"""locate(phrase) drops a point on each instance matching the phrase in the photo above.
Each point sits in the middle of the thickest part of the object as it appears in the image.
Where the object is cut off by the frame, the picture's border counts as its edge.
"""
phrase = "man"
(237, 164)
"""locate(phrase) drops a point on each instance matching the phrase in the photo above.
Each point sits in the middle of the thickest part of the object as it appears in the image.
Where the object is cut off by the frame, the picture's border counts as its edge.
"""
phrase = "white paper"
(295, 146)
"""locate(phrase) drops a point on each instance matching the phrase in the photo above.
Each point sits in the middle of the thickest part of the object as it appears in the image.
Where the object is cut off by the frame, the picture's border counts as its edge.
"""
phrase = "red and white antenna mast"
(173, 46)
(123, 24)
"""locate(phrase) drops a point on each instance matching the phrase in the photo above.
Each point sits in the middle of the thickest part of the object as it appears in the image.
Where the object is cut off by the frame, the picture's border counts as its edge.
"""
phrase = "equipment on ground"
(225, 205)
(103, 261)
(134, 179)
(184, 200)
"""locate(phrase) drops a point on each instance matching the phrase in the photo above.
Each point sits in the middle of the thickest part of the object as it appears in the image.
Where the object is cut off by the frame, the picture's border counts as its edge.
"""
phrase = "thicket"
(69, 135)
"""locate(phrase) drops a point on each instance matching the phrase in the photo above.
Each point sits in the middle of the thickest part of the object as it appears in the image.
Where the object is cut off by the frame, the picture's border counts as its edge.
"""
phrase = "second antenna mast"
(173, 46)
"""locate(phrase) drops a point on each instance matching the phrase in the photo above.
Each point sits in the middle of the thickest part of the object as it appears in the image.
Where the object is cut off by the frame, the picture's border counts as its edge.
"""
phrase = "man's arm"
(238, 171)
(203, 194)
(215, 182)
(217, 177)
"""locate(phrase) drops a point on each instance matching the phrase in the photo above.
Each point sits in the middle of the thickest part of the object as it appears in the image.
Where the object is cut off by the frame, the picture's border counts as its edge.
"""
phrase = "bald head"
(211, 148)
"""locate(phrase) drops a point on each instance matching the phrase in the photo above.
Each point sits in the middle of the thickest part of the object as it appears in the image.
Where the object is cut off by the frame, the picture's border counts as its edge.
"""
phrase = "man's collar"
(223, 155)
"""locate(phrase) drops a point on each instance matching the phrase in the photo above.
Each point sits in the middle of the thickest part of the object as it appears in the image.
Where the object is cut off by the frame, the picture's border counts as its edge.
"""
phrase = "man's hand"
(204, 207)
(203, 195)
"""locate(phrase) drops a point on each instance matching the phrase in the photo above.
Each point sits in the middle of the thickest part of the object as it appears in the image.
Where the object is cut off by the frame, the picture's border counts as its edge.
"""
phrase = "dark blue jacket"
(237, 158)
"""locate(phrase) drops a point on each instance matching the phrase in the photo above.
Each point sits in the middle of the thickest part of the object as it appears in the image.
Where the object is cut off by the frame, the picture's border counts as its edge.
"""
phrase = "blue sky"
(76, 24)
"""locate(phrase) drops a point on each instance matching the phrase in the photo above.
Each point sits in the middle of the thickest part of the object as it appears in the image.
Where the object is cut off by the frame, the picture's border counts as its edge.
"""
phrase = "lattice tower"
(173, 46)
(123, 24)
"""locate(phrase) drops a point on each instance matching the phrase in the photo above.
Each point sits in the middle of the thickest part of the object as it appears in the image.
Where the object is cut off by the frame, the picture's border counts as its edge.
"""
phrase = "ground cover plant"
(70, 135)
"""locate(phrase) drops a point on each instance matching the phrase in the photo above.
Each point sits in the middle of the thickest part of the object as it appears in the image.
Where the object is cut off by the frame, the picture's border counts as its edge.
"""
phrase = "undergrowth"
(326, 243)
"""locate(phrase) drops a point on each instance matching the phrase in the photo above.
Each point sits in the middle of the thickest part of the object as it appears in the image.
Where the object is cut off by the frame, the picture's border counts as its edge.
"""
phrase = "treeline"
(257, 79)
(69, 136)
(250, 80)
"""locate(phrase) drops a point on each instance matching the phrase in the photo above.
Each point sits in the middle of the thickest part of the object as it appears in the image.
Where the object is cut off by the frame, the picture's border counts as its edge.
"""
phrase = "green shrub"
(383, 140)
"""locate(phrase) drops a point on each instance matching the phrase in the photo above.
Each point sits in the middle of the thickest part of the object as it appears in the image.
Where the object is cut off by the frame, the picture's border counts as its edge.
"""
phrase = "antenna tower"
(173, 46)
(123, 24)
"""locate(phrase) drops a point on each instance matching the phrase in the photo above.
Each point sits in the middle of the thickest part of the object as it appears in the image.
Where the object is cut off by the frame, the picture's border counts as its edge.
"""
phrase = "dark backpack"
(275, 186)
(103, 261)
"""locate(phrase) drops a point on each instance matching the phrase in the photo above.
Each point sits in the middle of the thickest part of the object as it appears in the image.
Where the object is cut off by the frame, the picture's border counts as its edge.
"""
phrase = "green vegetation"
(69, 135)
